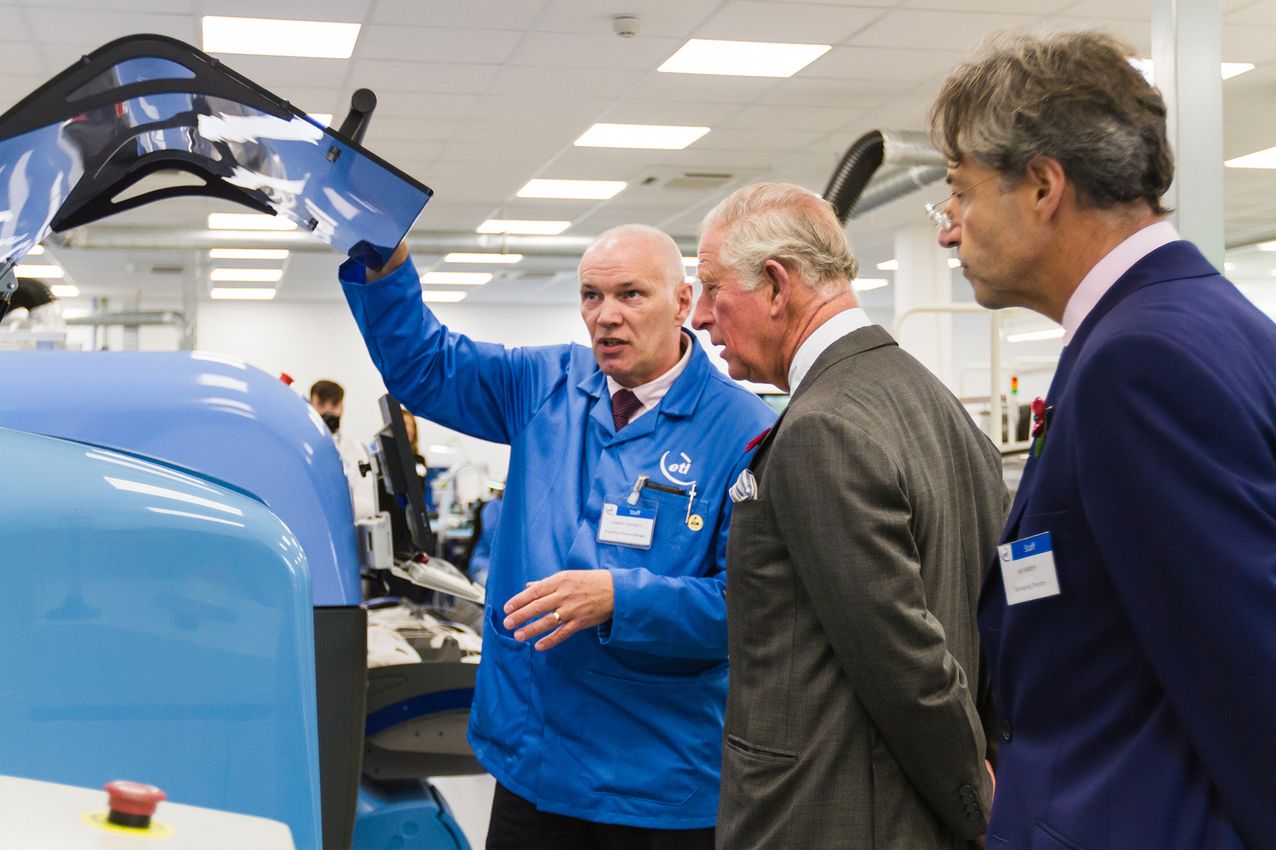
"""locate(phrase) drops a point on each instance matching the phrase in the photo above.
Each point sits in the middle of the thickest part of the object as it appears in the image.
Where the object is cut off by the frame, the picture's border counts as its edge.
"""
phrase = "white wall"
(312, 340)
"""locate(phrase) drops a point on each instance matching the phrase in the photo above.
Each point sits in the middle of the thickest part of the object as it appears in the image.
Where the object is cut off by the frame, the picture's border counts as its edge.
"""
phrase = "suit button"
(1007, 731)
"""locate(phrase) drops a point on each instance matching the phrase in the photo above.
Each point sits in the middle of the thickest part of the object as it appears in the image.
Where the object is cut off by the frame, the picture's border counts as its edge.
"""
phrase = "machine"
(178, 562)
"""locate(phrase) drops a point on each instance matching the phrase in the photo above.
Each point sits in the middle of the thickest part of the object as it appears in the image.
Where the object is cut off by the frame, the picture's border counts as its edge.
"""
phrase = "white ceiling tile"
(1138, 33)
(175, 7)
(568, 50)
(281, 73)
(753, 140)
(458, 14)
(1032, 7)
(391, 128)
(633, 111)
(657, 17)
(81, 26)
(425, 106)
(1250, 43)
(910, 28)
(562, 113)
(351, 11)
(13, 89)
(702, 88)
(427, 44)
(877, 64)
(714, 161)
(1130, 9)
(789, 22)
(767, 116)
(458, 77)
(537, 80)
(837, 94)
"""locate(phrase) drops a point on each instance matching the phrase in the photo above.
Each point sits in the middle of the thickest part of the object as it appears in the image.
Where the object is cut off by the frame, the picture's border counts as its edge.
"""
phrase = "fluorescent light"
(1226, 69)
(249, 221)
(1229, 267)
(441, 296)
(864, 284)
(742, 58)
(573, 190)
(1266, 246)
(46, 272)
(691, 262)
(241, 293)
(1032, 336)
(954, 263)
(36, 250)
(494, 259)
(65, 290)
(459, 278)
(275, 37)
(666, 137)
(523, 227)
(1235, 69)
(258, 235)
(248, 254)
(247, 275)
(1265, 158)
(442, 450)
(888, 266)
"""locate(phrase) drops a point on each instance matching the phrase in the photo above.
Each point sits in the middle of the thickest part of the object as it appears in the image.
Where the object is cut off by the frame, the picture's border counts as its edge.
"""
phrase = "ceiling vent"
(689, 181)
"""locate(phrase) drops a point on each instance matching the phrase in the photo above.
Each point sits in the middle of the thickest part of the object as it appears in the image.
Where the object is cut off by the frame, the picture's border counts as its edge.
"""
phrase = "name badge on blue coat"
(627, 525)
(1027, 569)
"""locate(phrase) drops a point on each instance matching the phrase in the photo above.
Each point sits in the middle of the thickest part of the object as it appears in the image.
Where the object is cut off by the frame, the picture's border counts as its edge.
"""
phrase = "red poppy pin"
(753, 444)
(1041, 415)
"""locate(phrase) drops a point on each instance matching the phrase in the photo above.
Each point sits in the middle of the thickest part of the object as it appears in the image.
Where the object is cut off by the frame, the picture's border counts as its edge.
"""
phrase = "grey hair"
(788, 224)
(1073, 97)
(666, 253)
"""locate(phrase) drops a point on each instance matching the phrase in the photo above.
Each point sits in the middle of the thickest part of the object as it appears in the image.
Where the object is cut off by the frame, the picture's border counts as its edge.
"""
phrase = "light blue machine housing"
(227, 426)
(158, 625)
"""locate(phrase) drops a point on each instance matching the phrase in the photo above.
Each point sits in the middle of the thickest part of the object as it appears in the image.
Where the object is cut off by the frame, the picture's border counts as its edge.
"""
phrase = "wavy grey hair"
(1073, 97)
(786, 223)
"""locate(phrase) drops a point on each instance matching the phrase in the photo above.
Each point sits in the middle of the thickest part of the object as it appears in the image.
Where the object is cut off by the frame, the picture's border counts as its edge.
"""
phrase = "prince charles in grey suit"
(859, 540)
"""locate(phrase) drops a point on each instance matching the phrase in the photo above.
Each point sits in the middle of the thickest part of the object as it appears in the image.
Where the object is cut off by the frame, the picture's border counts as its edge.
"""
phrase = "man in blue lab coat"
(1128, 625)
(600, 697)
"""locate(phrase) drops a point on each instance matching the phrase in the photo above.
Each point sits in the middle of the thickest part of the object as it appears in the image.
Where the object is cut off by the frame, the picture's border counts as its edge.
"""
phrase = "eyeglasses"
(938, 213)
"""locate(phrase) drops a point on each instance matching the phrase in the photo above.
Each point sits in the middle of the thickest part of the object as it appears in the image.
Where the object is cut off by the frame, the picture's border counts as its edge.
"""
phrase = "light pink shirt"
(1107, 271)
(652, 392)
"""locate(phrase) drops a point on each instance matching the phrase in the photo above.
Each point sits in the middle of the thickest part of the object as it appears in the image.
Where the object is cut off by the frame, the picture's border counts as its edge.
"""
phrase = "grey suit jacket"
(852, 583)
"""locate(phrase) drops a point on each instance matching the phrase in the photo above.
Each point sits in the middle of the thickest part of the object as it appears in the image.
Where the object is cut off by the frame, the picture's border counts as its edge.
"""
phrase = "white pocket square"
(745, 488)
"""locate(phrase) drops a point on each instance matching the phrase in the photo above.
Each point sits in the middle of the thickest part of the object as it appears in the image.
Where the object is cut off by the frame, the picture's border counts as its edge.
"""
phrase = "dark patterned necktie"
(624, 404)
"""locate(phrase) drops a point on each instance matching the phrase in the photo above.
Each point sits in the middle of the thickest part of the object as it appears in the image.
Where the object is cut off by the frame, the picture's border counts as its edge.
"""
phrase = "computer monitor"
(400, 479)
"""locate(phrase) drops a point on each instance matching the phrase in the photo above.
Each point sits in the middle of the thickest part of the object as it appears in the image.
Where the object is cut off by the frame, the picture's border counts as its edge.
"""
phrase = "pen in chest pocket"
(693, 520)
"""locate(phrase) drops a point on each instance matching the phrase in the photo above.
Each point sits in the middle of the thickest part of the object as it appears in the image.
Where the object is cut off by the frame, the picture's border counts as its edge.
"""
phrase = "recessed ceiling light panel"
(276, 37)
(669, 137)
(523, 227)
(582, 190)
(742, 58)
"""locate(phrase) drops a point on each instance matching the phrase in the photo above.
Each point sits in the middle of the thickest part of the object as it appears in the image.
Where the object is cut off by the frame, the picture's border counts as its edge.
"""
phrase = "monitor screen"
(400, 479)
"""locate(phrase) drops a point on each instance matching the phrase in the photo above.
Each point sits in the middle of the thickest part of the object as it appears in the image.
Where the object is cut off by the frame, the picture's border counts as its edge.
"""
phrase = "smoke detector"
(626, 26)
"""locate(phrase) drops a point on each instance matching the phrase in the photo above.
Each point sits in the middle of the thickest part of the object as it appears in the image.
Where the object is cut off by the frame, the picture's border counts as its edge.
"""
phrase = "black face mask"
(332, 420)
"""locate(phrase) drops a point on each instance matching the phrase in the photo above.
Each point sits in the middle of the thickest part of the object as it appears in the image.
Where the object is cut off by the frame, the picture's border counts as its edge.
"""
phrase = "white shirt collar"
(1108, 271)
(652, 392)
(821, 338)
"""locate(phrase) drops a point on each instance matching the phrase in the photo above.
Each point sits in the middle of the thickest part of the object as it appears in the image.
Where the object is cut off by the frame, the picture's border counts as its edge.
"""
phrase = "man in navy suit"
(1130, 624)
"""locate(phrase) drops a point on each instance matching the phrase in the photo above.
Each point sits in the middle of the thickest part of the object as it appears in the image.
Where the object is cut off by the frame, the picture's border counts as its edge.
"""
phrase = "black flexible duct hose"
(862, 158)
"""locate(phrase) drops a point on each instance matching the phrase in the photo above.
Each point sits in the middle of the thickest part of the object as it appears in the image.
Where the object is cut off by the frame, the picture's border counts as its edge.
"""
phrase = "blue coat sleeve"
(1178, 467)
(481, 389)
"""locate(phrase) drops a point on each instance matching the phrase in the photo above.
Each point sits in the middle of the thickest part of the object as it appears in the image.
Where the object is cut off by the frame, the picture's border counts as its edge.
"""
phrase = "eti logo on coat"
(670, 470)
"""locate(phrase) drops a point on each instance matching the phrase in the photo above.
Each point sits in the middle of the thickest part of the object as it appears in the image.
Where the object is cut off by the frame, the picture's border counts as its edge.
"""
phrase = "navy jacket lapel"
(1175, 261)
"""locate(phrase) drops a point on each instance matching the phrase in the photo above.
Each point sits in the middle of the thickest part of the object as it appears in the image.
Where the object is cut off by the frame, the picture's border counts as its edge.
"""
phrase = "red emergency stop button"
(132, 803)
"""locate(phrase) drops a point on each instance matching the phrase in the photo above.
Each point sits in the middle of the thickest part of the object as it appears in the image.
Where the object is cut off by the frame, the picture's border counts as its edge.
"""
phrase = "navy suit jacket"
(1139, 705)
